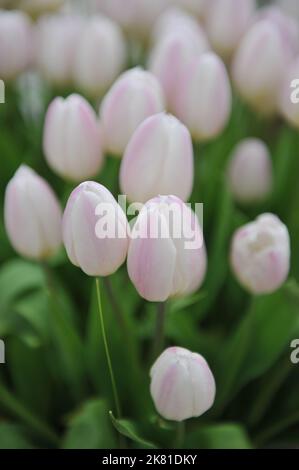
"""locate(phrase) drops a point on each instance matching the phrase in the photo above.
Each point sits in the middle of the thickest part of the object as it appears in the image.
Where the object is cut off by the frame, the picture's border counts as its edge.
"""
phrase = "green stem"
(180, 435)
(17, 409)
(159, 334)
(106, 347)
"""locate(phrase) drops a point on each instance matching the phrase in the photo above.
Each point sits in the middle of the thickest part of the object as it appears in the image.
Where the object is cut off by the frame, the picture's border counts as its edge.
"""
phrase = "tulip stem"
(180, 435)
(106, 347)
(159, 329)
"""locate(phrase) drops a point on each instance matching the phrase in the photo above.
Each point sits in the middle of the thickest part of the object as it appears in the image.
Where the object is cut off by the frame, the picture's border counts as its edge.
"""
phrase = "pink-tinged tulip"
(158, 160)
(260, 254)
(95, 230)
(32, 215)
(204, 102)
(135, 96)
(173, 19)
(288, 26)
(250, 173)
(135, 16)
(289, 99)
(259, 65)
(100, 56)
(171, 56)
(167, 255)
(57, 40)
(226, 23)
(182, 384)
(194, 7)
(72, 138)
(16, 43)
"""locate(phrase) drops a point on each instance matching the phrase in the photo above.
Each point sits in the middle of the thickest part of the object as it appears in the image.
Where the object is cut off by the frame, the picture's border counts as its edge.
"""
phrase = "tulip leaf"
(219, 436)
(90, 428)
(13, 437)
(129, 430)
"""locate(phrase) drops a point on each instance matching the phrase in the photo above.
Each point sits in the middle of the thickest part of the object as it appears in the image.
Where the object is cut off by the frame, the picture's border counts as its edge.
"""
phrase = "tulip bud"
(260, 254)
(57, 40)
(204, 101)
(289, 98)
(250, 171)
(182, 384)
(72, 138)
(158, 160)
(259, 65)
(100, 56)
(96, 252)
(167, 255)
(225, 23)
(32, 215)
(172, 54)
(16, 43)
(135, 96)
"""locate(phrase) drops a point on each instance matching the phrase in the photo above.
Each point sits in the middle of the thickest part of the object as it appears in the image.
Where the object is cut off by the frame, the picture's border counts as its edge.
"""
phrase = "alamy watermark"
(295, 353)
(161, 218)
(2, 92)
(2, 352)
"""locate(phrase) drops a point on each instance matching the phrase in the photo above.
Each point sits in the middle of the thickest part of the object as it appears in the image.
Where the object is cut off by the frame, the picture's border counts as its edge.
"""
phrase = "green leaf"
(16, 278)
(261, 338)
(219, 436)
(129, 430)
(13, 437)
(90, 428)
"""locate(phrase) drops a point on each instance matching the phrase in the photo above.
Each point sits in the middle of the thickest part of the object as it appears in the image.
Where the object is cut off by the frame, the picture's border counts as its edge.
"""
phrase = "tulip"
(250, 172)
(135, 96)
(158, 160)
(100, 56)
(204, 101)
(161, 261)
(260, 254)
(32, 215)
(182, 384)
(135, 16)
(225, 23)
(57, 40)
(259, 65)
(289, 99)
(172, 54)
(72, 138)
(173, 19)
(96, 251)
(16, 44)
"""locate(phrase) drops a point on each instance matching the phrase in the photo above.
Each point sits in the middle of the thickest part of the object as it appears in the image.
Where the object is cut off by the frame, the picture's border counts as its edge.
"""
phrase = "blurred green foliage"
(55, 389)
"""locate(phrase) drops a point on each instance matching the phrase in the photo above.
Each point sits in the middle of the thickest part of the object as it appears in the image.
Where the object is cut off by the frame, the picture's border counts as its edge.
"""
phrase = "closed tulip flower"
(171, 56)
(250, 173)
(32, 215)
(225, 23)
(260, 254)
(96, 252)
(158, 160)
(289, 98)
(72, 138)
(204, 102)
(167, 256)
(57, 40)
(16, 44)
(259, 65)
(135, 96)
(100, 56)
(182, 384)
